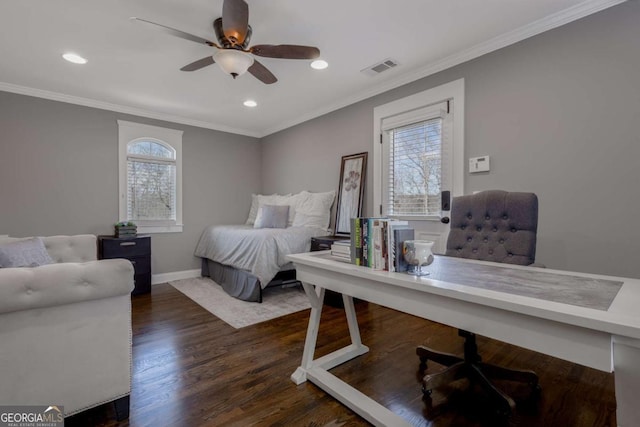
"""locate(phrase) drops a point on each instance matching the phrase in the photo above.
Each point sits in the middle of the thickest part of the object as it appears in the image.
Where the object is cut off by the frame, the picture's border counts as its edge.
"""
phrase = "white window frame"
(453, 91)
(437, 111)
(129, 132)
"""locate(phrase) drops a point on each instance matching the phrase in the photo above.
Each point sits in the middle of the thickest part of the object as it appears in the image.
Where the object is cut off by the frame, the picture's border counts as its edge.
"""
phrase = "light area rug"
(276, 302)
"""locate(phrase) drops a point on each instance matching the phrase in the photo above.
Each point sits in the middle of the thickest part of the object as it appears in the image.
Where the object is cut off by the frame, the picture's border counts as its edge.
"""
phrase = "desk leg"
(316, 299)
(355, 349)
(626, 361)
(317, 371)
(352, 320)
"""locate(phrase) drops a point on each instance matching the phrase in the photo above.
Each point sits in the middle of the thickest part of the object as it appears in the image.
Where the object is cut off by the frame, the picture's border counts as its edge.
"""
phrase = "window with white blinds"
(415, 154)
(150, 177)
(151, 181)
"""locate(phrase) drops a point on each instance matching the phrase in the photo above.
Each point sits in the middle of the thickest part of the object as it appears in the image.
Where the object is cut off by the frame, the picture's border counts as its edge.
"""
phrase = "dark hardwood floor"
(192, 369)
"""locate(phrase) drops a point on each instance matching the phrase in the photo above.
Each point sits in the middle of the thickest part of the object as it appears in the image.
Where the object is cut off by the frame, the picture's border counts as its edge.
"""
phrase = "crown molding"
(547, 23)
(87, 102)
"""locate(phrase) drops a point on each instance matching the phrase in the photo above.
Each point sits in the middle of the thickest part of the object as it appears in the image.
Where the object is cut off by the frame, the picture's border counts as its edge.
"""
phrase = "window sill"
(151, 229)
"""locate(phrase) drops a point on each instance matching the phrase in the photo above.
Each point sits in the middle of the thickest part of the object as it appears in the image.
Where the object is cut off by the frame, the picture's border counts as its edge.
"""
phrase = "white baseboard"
(174, 275)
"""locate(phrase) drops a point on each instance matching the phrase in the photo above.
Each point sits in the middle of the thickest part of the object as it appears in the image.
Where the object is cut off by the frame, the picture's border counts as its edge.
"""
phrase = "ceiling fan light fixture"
(232, 51)
(250, 103)
(233, 61)
(76, 59)
(319, 64)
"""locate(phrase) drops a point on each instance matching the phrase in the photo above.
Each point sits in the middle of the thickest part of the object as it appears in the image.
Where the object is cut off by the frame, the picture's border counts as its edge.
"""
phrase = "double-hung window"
(150, 177)
(419, 153)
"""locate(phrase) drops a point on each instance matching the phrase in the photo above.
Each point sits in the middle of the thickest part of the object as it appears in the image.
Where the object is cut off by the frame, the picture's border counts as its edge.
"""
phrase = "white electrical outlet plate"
(479, 164)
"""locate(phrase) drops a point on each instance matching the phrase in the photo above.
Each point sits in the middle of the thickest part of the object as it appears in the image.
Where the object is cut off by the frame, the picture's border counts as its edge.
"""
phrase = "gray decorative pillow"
(24, 253)
(272, 216)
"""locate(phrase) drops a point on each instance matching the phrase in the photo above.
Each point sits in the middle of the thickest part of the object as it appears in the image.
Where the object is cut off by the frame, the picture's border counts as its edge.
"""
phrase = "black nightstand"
(323, 243)
(136, 249)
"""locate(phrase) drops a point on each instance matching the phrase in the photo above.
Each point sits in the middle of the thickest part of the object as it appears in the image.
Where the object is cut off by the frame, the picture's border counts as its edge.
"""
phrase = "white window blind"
(415, 159)
(151, 181)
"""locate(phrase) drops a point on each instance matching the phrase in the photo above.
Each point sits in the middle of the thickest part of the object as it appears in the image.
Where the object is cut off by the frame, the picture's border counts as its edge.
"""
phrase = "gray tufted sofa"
(65, 329)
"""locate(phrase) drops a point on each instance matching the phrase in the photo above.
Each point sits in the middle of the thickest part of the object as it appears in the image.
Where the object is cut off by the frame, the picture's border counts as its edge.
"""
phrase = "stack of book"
(126, 229)
(341, 249)
(377, 243)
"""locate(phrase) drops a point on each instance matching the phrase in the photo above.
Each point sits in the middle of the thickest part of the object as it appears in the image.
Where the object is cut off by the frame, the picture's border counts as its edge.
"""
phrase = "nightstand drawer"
(320, 246)
(323, 243)
(126, 248)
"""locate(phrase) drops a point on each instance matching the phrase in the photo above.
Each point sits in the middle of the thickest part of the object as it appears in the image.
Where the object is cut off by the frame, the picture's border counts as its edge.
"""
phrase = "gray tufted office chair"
(493, 226)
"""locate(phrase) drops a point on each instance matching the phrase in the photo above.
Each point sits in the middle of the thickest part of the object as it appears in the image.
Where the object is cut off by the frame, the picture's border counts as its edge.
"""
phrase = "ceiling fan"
(233, 53)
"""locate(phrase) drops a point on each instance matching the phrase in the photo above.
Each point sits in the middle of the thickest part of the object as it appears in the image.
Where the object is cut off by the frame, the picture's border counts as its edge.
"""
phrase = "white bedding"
(260, 251)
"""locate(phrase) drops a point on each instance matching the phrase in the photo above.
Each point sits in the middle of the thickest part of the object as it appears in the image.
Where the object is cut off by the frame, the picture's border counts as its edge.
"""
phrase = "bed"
(245, 259)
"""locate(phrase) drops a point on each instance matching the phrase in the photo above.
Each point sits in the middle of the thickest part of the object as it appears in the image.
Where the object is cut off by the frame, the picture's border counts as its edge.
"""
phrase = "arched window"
(150, 177)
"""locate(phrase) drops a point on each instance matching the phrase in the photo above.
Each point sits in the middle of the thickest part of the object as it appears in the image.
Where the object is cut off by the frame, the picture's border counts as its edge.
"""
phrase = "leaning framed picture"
(351, 191)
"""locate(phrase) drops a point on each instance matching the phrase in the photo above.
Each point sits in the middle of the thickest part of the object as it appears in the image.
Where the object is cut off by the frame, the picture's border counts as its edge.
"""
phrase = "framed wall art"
(351, 191)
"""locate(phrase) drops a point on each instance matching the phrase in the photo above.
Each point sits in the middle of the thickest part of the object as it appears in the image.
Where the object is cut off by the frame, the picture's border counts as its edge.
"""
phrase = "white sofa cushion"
(78, 248)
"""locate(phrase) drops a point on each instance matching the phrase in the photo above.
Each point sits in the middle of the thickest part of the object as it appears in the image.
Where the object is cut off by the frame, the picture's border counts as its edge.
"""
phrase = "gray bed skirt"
(240, 283)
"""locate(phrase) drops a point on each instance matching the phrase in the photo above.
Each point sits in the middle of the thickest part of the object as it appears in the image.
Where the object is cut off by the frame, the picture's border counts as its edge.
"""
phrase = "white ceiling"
(135, 69)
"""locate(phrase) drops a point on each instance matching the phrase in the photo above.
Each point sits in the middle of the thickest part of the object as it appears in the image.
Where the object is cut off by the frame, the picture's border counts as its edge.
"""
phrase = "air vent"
(380, 67)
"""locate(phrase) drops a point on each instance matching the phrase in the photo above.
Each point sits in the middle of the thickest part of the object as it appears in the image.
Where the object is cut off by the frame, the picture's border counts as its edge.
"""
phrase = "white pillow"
(253, 210)
(293, 202)
(259, 199)
(314, 209)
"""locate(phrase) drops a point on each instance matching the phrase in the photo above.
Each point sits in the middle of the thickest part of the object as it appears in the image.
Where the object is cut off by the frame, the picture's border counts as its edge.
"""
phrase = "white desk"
(605, 338)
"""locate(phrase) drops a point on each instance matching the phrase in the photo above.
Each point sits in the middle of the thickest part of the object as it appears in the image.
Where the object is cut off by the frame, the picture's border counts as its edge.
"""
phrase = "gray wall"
(558, 114)
(59, 175)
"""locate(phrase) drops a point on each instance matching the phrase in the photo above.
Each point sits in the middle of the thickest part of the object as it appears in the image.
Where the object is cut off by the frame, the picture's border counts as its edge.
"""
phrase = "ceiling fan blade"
(285, 51)
(235, 20)
(200, 63)
(175, 32)
(261, 73)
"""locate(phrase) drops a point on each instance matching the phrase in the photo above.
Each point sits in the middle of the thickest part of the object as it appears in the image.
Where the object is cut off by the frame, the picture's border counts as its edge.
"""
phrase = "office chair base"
(471, 367)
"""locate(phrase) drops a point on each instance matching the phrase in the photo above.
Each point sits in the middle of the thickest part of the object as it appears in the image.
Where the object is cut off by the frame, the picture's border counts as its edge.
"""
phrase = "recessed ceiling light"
(250, 103)
(76, 59)
(319, 64)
